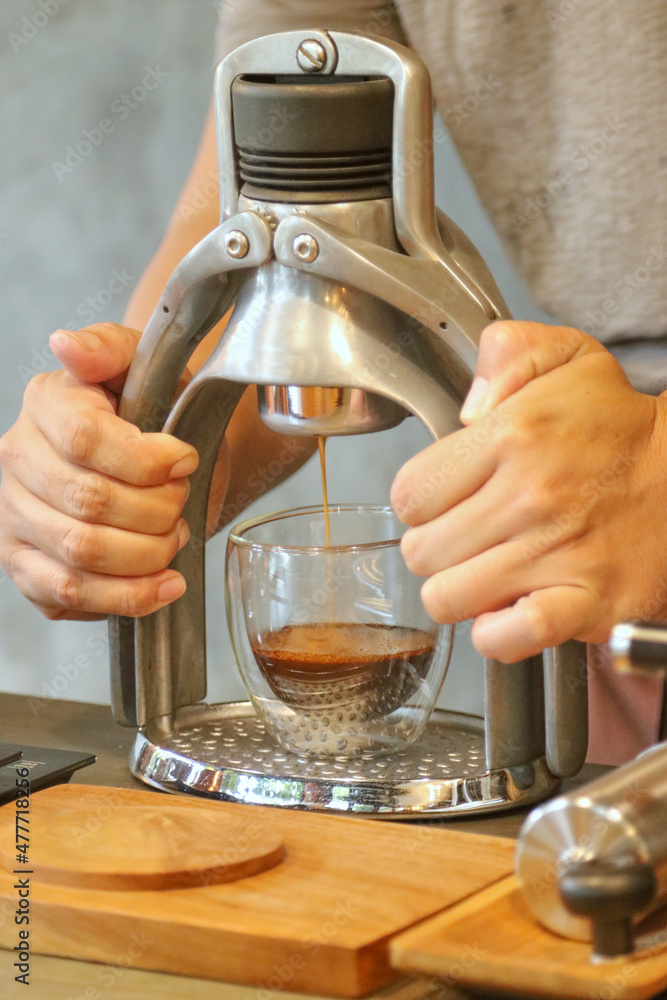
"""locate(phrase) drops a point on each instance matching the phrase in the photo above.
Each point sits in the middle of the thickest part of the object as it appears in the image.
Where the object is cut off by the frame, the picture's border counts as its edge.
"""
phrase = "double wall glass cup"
(334, 646)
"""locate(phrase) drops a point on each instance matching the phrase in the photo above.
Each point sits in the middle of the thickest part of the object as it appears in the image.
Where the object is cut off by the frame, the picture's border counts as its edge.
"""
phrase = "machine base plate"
(223, 751)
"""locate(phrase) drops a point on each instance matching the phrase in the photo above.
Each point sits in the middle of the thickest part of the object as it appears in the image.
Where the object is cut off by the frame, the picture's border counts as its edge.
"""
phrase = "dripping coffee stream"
(321, 442)
(334, 665)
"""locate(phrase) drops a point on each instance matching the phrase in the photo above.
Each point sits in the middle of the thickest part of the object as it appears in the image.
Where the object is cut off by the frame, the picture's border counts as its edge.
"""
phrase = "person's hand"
(545, 518)
(90, 508)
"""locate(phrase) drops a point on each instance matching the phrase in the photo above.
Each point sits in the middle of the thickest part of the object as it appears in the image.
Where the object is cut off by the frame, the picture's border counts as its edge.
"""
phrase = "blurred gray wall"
(68, 228)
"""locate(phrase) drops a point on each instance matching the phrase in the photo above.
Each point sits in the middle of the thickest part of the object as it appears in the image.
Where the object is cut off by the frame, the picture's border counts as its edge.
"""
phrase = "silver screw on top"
(311, 56)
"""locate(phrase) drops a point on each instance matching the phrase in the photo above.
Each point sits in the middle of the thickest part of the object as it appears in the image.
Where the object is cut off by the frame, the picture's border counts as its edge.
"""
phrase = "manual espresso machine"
(332, 254)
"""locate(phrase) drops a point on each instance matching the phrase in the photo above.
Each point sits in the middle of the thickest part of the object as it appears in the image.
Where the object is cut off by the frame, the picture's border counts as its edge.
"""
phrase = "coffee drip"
(335, 662)
(321, 443)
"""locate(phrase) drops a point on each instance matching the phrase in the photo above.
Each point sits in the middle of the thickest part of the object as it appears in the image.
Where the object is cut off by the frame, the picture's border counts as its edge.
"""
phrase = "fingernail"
(185, 466)
(171, 589)
(183, 535)
(474, 401)
(88, 341)
(58, 339)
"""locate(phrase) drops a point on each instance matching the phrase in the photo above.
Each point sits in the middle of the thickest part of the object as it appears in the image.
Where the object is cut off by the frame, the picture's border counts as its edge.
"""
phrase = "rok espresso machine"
(332, 253)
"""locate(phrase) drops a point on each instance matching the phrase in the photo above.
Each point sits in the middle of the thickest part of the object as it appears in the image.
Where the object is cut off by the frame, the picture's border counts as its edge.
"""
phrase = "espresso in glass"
(335, 648)
(336, 663)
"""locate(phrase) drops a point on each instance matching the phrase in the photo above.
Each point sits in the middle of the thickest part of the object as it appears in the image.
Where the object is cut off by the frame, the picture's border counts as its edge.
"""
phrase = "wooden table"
(78, 726)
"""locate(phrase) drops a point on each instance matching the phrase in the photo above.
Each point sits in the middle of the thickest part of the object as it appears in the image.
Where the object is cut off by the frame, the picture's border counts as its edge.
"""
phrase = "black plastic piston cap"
(313, 139)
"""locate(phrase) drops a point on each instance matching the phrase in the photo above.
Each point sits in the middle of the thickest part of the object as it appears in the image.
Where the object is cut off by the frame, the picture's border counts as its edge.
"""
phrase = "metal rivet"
(236, 244)
(311, 56)
(305, 247)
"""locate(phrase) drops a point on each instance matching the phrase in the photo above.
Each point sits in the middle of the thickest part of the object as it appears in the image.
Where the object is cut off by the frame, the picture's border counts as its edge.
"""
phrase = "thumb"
(97, 354)
(513, 353)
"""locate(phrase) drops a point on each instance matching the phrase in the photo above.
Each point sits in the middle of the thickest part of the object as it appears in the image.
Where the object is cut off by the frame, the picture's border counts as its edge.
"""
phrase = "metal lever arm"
(439, 295)
(196, 297)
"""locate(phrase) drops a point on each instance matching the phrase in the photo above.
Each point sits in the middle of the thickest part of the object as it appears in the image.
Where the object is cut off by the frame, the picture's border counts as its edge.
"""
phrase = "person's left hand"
(545, 518)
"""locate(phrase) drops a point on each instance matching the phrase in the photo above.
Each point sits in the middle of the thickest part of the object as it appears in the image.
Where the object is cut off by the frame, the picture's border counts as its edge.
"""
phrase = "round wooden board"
(141, 848)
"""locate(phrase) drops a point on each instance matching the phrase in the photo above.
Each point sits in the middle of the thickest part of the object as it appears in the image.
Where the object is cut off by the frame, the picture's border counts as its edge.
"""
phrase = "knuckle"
(407, 497)
(88, 496)
(543, 622)
(80, 436)
(5, 449)
(67, 588)
(514, 435)
(502, 333)
(398, 497)
(135, 602)
(9, 561)
(80, 547)
(35, 387)
(411, 550)
(440, 602)
(535, 501)
(174, 500)
(53, 614)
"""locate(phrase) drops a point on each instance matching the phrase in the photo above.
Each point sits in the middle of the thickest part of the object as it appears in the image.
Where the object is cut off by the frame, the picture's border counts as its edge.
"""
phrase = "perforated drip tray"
(224, 752)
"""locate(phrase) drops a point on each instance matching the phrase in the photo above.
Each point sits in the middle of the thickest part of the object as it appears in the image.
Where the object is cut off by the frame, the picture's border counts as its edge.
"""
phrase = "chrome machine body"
(350, 312)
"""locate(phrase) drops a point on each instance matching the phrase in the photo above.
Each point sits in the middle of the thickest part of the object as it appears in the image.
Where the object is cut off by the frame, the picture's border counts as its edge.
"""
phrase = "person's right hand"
(90, 508)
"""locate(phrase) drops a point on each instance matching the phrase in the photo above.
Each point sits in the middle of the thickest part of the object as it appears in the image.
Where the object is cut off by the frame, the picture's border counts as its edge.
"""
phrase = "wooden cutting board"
(317, 918)
(491, 941)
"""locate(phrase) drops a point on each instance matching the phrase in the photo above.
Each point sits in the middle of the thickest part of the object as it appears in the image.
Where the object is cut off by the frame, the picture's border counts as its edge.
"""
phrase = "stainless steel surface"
(388, 314)
(305, 248)
(620, 815)
(223, 751)
(326, 410)
(311, 56)
(350, 54)
(236, 244)
(620, 643)
(514, 712)
(56, 722)
(437, 296)
(639, 647)
(333, 359)
(566, 695)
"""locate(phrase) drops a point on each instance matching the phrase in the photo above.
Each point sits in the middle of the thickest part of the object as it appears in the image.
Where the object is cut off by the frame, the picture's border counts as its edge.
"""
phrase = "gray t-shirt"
(559, 113)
